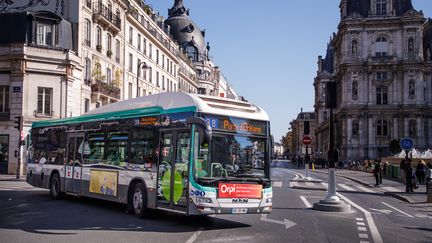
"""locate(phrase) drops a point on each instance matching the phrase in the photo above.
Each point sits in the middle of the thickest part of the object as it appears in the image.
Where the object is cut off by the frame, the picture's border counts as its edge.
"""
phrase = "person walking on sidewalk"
(409, 177)
(421, 172)
(377, 172)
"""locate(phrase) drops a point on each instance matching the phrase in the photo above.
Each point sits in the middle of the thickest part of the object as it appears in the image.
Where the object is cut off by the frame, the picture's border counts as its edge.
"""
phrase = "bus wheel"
(55, 187)
(139, 200)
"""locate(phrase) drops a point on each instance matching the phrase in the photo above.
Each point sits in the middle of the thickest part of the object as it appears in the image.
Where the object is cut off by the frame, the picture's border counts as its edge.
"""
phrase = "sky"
(268, 50)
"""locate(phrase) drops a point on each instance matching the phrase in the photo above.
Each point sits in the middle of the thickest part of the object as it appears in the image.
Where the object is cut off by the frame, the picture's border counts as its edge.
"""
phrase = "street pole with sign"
(306, 142)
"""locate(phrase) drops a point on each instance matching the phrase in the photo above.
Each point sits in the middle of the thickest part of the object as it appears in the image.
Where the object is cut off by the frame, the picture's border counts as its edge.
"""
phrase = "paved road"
(29, 215)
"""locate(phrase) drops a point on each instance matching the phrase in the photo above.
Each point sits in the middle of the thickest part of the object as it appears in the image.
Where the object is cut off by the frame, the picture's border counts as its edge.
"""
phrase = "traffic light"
(306, 129)
(19, 123)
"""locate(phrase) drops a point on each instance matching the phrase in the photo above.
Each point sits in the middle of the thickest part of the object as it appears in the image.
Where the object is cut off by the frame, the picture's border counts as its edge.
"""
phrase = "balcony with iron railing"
(110, 90)
(105, 17)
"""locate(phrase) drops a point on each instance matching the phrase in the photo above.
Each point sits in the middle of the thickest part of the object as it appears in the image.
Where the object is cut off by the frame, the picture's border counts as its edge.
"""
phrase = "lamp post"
(141, 65)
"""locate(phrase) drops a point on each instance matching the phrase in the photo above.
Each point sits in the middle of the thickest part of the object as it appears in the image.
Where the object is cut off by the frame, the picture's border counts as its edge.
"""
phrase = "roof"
(164, 103)
(362, 7)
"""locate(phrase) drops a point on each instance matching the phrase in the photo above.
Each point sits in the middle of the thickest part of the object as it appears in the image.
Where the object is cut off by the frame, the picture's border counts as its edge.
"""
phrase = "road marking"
(360, 224)
(288, 224)
(305, 201)
(361, 229)
(362, 241)
(195, 235)
(232, 239)
(363, 236)
(345, 187)
(277, 184)
(390, 189)
(294, 184)
(324, 184)
(384, 211)
(373, 228)
(400, 211)
(310, 184)
(359, 219)
(364, 189)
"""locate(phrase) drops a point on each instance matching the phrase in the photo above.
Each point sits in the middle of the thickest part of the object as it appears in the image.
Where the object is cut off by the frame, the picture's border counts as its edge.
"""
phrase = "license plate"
(239, 210)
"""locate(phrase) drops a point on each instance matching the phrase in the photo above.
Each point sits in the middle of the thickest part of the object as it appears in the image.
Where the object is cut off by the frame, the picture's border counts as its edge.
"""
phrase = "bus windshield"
(231, 156)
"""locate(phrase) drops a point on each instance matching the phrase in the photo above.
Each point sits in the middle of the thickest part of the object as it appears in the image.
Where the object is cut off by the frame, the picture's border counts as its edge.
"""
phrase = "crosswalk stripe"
(277, 184)
(345, 187)
(310, 184)
(293, 184)
(364, 189)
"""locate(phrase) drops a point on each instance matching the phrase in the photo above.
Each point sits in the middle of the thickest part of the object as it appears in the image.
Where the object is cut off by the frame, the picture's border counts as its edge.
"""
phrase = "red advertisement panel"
(228, 190)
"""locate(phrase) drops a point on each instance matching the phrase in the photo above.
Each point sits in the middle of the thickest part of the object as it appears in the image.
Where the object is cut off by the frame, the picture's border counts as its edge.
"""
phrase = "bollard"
(313, 166)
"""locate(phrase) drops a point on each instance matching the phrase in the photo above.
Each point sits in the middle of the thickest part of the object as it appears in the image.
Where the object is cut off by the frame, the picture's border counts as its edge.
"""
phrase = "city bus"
(184, 153)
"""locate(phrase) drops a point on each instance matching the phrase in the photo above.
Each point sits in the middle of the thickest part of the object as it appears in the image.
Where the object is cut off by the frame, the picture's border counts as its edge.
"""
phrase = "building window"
(412, 128)
(381, 47)
(382, 95)
(325, 116)
(44, 104)
(117, 54)
(144, 46)
(354, 47)
(157, 79)
(411, 89)
(130, 62)
(381, 7)
(150, 51)
(97, 105)
(109, 45)
(139, 42)
(130, 91)
(163, 82)
(163, 61)
(382, 127)
(354, 90)
(382, 75)
(4, 98)
(150, 74)
(157, 57)
(355, 127)
(411, 45)
(192, 52)
(44, 34)
(109, 75)
(87, 35)
(144, 92)
(88, 66)
(130, 35)
(98, 39)
(86, 105)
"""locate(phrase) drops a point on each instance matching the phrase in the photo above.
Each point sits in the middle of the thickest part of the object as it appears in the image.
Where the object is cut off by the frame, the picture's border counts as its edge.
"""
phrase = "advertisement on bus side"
(103, 182)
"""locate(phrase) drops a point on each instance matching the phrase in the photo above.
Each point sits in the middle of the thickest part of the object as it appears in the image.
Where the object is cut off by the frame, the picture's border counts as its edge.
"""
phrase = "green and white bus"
(184, 153)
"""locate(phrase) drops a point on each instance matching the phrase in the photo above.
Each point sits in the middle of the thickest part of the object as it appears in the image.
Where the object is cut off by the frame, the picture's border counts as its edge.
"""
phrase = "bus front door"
(173, 170)
(74, 161)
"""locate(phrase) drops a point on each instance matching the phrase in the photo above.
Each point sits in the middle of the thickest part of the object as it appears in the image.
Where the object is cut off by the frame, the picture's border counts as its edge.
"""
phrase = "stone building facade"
(380, 60)
(298, 131)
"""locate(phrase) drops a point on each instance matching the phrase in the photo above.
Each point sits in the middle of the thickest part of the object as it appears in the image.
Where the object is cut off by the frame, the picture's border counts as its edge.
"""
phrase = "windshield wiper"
(214, 180)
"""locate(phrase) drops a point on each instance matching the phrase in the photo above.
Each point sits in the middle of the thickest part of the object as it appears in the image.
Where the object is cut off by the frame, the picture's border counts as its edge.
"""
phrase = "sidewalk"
(397, 188)
(11, 178)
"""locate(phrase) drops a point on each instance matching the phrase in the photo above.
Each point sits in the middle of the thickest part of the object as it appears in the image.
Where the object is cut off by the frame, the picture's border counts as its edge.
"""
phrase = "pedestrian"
(421, 172)
(428, 177)
(409, 176)
(376, 172)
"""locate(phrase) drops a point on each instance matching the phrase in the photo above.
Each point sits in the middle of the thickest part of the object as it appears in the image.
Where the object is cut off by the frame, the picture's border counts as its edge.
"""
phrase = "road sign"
(406, 144)
(307, 140)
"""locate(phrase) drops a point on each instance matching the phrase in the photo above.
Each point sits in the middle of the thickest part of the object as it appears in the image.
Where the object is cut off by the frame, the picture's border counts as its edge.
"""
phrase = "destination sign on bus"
(237, 125)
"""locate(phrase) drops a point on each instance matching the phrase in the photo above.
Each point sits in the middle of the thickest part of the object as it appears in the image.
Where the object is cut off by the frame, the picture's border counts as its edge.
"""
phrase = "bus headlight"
(202, 200)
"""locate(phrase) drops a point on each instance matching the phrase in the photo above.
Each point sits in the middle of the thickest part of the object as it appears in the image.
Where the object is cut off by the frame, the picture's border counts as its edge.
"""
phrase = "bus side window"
(142, 146)
(56, 147)
(39, 146)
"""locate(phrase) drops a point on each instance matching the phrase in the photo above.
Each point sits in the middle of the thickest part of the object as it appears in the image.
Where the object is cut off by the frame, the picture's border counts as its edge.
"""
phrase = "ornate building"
(380, 59)
(191, 40)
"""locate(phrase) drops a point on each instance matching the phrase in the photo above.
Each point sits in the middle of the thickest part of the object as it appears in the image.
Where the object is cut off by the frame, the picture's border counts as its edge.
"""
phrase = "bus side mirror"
(205, 131)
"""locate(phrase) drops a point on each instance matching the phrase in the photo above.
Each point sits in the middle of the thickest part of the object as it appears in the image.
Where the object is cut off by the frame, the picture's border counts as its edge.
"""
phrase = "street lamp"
(141, 65)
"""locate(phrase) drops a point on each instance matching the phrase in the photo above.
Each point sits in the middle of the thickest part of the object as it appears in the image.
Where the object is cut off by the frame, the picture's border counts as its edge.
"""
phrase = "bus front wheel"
(139, 200)
(55, 191)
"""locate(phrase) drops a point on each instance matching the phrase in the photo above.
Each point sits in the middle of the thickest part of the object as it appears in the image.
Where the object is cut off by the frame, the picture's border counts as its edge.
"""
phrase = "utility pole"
(19, 127)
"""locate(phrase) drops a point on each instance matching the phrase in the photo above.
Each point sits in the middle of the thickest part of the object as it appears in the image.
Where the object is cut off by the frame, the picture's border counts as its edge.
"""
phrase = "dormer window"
(381, 7)
(192, 52)
(45, 34)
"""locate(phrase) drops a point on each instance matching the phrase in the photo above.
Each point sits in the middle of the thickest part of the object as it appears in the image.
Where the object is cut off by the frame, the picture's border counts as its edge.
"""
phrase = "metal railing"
(105, 12)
